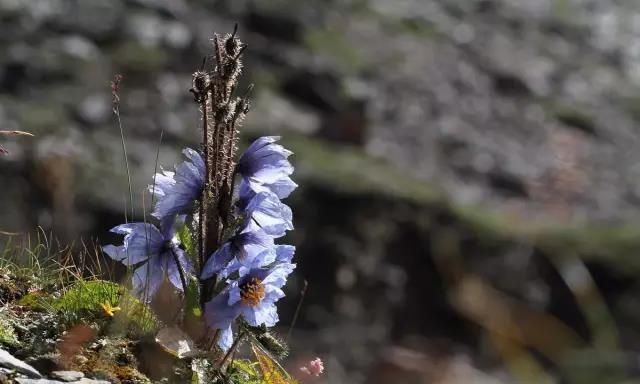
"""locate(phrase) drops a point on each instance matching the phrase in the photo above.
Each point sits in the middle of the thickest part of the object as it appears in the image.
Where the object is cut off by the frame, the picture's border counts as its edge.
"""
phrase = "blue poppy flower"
(243, 247)
(153, 251)
(264, 167)
(176, 192)
(252, 296)
(264, 210)
(280, 254)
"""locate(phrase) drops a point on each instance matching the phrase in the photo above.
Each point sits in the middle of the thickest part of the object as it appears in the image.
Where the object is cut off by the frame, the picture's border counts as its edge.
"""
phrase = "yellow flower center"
(251, 292)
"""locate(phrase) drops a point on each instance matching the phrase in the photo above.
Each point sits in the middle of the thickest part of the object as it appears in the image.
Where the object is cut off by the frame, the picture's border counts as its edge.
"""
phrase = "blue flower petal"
(225, 340)
(263, 153)
(277, 276)
(218, 314)
(163, 183)
(172, 268)
(141, 240)
(146, 244)
(241, 250)
(234, 294)
(147, 279)
(284, 253)
(264, 167)
(283, 187)
(119, 253)
(178, 197)
(273, 294)
(264, 259)
(261, 314)
(269, 213)
(217, 261)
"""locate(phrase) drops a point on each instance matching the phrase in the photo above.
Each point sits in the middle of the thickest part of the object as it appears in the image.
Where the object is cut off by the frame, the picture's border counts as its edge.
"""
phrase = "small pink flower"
(313, 367)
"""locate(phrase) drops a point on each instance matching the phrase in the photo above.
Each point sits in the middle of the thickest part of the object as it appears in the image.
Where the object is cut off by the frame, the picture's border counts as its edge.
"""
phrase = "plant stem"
(231, 350)
(183, 280)
(116, 111)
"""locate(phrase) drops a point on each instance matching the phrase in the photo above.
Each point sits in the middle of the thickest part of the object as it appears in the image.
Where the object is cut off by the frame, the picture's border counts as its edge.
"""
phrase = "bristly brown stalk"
(221, 115)
(201, 90)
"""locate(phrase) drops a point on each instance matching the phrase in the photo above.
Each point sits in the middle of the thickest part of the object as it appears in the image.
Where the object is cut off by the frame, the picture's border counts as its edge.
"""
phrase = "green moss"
(7, 334)
(85, 298)
(85, 301)
(36, 301)
(135, 318)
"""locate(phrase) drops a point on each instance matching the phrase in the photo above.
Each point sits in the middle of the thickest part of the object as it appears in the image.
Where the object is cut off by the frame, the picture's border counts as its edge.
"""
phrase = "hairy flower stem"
(203, 208)
(221, 114)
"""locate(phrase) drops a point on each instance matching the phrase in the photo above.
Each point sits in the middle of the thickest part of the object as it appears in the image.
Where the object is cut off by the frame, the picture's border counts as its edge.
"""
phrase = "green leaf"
(192, 298)
(186, 238)
(244, 372)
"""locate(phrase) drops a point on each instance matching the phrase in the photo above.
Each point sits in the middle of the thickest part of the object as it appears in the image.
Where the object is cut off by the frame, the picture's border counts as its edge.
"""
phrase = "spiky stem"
(221, 114)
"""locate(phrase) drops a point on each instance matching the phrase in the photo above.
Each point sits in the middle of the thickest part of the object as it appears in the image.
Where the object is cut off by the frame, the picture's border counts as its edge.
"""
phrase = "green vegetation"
(7, 334)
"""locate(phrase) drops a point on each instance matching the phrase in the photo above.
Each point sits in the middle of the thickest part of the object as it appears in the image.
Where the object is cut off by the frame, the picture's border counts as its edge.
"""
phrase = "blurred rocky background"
(469, 169)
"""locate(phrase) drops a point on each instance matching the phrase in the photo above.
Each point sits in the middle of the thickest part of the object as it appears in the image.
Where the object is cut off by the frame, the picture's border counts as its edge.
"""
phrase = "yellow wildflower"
(108, 309)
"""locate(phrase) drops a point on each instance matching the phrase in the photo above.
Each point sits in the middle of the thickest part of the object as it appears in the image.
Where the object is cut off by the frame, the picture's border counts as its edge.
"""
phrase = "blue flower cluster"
(253, 268)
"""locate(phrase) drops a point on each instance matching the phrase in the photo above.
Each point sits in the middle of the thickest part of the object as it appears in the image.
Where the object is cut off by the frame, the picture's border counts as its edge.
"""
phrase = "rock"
(7, 360)
(47, 362)
(68, 376)
(83, 380)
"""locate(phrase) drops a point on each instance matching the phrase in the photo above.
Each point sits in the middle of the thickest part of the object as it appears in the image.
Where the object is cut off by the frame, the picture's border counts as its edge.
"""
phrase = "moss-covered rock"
(8, 336)
(110, 359)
